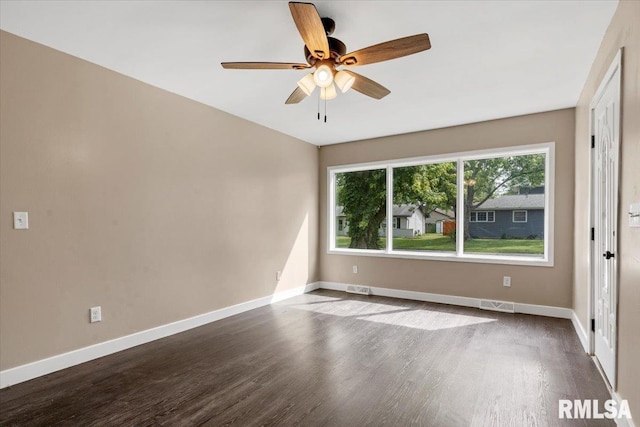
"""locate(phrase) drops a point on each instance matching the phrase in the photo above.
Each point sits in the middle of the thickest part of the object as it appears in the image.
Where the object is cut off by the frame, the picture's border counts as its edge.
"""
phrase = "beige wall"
(534, 285)
(624, 31)
(155, 207)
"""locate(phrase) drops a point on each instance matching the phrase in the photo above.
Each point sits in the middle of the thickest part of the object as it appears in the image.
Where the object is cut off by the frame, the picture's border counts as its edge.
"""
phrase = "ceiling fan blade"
(388, 50)
(310, 27)
(367, 86)
(296, 96)
(263, 66)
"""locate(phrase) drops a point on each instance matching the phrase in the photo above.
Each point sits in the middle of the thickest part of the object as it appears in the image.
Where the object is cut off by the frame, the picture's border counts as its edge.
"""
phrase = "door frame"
(616, 65)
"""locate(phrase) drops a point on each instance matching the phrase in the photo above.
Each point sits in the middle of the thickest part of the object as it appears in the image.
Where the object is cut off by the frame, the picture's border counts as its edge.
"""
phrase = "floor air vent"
(507, 307)
(362, 290)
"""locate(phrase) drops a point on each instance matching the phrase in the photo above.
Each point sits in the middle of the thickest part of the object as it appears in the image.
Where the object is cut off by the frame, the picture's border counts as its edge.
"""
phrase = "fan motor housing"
(336, 49)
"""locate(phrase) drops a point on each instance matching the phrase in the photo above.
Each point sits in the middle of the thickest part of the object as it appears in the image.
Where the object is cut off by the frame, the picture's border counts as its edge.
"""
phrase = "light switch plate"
(21, 220)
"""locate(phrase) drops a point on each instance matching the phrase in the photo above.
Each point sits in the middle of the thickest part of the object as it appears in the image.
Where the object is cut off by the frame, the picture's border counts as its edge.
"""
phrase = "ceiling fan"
(328, 55)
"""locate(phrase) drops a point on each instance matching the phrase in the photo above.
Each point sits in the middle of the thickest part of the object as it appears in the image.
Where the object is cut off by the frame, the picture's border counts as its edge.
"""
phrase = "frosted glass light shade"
(344, 80)
(328, 92)
(323, 76)
(307, 84)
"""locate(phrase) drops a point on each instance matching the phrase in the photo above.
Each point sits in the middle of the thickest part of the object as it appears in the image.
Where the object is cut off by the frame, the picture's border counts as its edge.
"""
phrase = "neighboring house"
(408, 221)
(518, 215)
(437, 217)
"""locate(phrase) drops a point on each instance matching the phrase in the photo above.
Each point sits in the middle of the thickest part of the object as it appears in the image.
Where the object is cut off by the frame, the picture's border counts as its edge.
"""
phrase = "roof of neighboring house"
(441, 212)
(516, 201)
(398, 210)
(404, 210)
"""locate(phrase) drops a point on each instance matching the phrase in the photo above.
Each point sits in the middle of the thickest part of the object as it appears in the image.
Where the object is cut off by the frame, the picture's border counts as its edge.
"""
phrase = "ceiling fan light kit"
(328, 93)
(344, 80)
(307, 84)
(326, 54)
(323, 77)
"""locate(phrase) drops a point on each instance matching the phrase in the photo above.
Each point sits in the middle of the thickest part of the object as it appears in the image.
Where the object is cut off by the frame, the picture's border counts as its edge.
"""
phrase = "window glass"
(424, 206)
(496, 191)
(361, 203)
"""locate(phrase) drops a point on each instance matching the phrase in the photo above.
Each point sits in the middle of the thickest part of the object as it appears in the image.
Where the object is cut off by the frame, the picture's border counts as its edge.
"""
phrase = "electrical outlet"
(95, 314)
(278, 275)
(506, 281)
(355, 269)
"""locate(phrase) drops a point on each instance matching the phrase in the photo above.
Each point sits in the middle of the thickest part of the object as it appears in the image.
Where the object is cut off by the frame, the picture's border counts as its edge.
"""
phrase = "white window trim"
(513, 216)
(458, 256)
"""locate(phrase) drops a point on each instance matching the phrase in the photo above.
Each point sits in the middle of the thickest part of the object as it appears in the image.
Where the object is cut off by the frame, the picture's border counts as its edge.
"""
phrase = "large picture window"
(482, 206)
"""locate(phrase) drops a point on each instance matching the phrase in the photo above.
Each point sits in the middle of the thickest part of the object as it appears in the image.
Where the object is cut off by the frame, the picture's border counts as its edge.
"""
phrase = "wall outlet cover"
(95, 314)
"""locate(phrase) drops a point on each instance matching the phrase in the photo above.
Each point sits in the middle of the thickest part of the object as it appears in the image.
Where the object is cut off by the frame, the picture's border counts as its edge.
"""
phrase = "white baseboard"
(582, 334)
(540, 310)
(46, 366)
(412, 295)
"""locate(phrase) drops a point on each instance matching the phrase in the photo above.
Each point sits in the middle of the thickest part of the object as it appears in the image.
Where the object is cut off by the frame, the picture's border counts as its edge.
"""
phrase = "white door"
(606, 127)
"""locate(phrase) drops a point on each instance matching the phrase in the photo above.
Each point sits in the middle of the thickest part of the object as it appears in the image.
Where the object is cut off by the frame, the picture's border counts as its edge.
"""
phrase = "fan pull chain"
(319, 103)
(325, 109)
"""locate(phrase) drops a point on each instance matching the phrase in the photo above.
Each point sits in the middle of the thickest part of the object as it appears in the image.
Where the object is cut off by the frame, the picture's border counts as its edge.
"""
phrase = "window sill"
(443, 256)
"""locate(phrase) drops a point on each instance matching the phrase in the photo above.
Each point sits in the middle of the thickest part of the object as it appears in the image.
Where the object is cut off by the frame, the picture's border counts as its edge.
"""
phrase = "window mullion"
(332, 210)
(389, 219)
(460, 208)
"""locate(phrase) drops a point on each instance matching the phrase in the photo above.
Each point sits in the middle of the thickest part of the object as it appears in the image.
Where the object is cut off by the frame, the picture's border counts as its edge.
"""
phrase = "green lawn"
(438, 242)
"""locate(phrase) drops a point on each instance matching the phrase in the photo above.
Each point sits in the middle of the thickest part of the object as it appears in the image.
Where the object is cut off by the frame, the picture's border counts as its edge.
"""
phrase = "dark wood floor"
(328, 359)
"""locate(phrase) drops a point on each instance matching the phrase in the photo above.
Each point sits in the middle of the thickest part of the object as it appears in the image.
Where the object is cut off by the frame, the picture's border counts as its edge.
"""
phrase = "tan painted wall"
(534, 285)
(151, 205)
(624, 31)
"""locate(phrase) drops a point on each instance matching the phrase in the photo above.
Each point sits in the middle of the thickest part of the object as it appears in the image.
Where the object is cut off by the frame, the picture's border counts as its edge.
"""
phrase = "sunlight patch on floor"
(389, 314)
(427, 320)
(348, 308)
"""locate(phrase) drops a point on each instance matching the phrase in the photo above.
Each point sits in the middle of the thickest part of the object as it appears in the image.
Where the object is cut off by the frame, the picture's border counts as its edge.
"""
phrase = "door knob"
(609, 255)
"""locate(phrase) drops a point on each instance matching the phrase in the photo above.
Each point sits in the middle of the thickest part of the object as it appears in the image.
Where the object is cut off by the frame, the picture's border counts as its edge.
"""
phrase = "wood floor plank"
(328, 358)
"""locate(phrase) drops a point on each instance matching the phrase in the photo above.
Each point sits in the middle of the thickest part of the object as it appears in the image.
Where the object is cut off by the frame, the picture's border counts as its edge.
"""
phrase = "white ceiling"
(490, 59)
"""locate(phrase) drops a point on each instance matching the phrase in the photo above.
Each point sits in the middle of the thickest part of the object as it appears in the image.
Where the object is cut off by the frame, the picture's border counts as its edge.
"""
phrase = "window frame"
(513, 216)
(547, 260)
